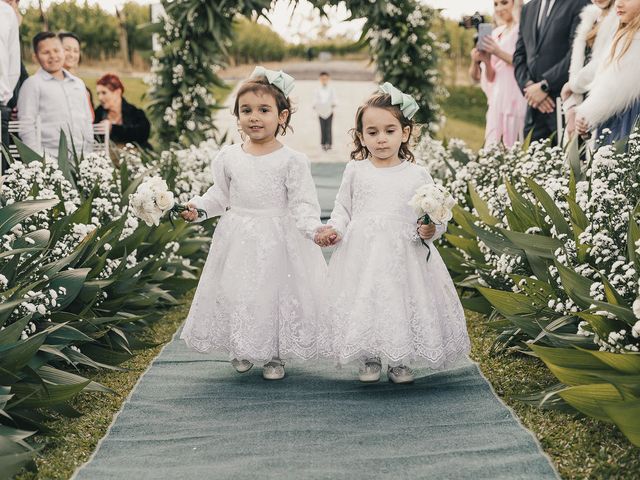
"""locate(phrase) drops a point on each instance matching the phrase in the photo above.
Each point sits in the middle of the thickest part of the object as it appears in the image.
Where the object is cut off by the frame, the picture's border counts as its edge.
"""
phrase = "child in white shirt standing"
(324, 103)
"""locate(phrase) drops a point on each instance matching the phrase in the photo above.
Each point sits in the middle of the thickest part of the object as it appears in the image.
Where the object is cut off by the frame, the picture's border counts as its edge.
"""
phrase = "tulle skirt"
(384, 299)
(259, 292)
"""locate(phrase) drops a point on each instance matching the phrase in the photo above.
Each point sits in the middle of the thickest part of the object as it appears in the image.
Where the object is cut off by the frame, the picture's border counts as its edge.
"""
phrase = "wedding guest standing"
(493, 67)
(613, 104)
(542, 57)
(325, 102)
(9, 63)
(58, 98)
(594, 35)
(72, 55)
(127, 123)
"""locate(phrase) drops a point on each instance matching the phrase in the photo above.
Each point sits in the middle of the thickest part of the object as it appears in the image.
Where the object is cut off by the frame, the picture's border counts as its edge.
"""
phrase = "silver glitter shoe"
(400, 374)
(241, 366)
(370, 371)
(274, 370)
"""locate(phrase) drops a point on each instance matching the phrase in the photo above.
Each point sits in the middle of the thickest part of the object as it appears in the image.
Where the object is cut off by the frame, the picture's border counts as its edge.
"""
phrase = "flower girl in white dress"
(259, 292)
(385, 300)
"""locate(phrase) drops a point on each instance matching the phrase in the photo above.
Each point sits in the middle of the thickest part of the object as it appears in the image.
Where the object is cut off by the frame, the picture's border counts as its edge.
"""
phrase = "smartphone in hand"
(484, 30)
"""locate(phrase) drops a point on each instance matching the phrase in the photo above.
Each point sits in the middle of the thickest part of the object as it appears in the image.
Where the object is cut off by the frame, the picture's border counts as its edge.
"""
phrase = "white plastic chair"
(101, 132)
(14, 128)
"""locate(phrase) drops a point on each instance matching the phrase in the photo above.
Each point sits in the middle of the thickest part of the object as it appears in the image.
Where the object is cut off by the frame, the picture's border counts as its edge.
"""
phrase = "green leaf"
(467, 245)
(522, 209)
(34, 395)
(477, 304)
(63, 159)
(497, 242)
(550, 207)
(589, 399)
(11, 334)
(482, 208)
(626, 363)
(538, 245)
(577, 287)
(15, 356)
(509, 303)
(13, 214)
(573, 158)
(72, 281)
(12, 462)
(626, 415)
(578, 217)
(27, 155)
(633, 236)
(60, 377)
(568, 357)
(622, 313)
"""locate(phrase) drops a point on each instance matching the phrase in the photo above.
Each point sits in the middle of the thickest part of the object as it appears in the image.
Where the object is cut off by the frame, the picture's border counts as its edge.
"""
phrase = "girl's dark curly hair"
(381, 100)
(262, 85)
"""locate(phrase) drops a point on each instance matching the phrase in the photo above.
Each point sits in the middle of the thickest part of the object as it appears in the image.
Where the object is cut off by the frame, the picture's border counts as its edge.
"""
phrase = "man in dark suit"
(542, 58)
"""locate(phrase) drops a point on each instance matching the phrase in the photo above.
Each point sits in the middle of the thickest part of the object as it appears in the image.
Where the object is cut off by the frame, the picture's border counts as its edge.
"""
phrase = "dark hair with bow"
(380, 100)
(261, 85)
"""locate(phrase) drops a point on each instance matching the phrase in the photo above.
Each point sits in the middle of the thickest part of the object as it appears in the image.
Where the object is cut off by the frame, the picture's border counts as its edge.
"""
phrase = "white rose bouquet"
(434, 204)
(152, 200)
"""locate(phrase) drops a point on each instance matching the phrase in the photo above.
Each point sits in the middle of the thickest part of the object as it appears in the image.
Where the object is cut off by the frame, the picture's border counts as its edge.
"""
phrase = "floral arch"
(194, 36)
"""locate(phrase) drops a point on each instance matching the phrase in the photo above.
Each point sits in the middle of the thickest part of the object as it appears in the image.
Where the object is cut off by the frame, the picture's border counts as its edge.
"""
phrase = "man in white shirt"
(9, 62)
(57, 98)
(325, 101)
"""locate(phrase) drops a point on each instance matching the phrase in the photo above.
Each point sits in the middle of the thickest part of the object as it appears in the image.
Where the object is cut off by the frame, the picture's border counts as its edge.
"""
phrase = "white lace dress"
(384, 298)
(259, 292)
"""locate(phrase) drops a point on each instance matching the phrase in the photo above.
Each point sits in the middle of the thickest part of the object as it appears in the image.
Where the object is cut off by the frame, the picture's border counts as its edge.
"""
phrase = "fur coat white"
(581, 75)
(615, 86)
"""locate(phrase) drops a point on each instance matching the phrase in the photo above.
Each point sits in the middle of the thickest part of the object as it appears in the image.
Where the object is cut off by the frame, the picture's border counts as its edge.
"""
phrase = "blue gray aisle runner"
(192, 416)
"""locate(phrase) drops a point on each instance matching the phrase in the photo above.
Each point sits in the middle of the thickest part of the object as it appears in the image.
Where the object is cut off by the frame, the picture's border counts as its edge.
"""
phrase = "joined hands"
(326, 236)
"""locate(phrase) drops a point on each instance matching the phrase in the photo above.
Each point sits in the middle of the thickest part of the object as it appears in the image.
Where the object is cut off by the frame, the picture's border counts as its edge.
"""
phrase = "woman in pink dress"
(493, 68)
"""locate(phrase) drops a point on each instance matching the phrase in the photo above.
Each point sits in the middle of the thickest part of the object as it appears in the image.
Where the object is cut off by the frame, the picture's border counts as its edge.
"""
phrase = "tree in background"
(98, 29)
(254, 42)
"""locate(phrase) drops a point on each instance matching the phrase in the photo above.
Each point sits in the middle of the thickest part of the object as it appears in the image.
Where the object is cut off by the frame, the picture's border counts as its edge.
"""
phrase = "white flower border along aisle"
(195, 37)
(552, 246)
(81, 278)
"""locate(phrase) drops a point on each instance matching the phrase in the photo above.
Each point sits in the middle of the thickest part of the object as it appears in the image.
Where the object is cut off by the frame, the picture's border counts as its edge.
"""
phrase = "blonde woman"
(493, 67)
(613, 103)
(594, 35)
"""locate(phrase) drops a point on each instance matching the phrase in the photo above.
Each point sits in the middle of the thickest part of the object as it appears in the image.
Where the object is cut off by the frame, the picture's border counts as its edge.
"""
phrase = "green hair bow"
(282, 81)
(406, 102)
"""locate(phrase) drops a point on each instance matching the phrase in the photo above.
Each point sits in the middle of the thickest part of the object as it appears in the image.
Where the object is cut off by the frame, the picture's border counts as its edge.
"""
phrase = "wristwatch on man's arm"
(544, 86)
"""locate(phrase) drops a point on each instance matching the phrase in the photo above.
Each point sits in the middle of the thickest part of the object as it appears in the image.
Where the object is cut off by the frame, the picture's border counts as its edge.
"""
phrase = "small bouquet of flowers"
(434, 204)
(152, 200)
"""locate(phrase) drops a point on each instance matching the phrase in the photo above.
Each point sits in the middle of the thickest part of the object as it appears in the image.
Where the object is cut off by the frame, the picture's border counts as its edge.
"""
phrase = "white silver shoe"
(400, 374)
(241, 366)
(274, 370)
(370, 371)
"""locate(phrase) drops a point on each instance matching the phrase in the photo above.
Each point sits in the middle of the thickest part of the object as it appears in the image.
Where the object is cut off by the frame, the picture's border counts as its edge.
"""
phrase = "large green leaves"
(12, 215)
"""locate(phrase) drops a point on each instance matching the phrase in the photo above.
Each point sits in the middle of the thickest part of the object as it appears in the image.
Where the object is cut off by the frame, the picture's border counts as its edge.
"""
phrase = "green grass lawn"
(465, 109)
(134, 90)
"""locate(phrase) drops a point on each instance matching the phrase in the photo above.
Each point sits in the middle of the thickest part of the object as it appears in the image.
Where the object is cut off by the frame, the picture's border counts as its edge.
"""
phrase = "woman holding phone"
(492, 66)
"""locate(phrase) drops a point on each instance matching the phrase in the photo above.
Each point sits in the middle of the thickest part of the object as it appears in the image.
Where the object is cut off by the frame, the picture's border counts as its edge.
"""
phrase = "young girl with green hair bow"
(259, 292)
(384, 302)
